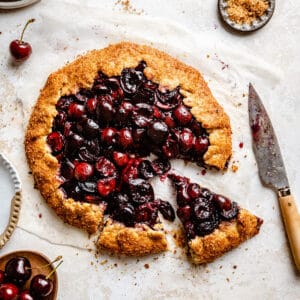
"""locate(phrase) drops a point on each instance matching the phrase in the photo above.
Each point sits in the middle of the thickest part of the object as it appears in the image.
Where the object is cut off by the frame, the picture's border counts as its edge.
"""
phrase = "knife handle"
(291, 219)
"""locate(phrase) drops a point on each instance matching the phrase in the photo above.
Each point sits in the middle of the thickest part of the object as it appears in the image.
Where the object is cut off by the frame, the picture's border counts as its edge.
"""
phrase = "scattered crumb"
(203, 172)
(224, 65)
(126, 6)
(146, 266)
(92, 263)
(244, 95)
(40, 215)
(227, 279)
(220, 267)
(234, 167)
(115, 264)
(207, 56)
(235, 266)
(103, 262)
(0, 32)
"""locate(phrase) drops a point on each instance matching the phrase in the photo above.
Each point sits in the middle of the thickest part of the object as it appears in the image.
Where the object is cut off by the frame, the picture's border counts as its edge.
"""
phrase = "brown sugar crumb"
(126, 5)
(146, 266)
(246, 11)
(234, 168)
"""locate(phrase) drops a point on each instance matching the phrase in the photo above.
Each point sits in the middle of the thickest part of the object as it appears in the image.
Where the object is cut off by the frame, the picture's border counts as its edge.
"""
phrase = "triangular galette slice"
(213, 224)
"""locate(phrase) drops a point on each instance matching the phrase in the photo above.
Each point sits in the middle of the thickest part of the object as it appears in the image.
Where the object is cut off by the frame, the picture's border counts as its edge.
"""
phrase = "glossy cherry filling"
(199, 209)
(102, 136)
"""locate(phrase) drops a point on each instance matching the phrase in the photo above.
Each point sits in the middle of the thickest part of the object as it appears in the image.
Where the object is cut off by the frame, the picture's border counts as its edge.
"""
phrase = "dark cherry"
(91, 105)
(88, 187)
(146, 213)
(105, 167)
(166, 209)
(158, 132)
(92, 199)
(208, 226)
(227, 209)
(138, 135)
(116, 200)
(123, 113)
(121, 159)
(126, 214)
(9, 291)
(203, 209)
(140, 191)
(145, 169)
(76, 111)
(106, 186)
(161, 166)
(141, 66)
(60, 120)
(200, 145)
(194, 190)
(130, 171)
(67, 169)
(170, 148)
(109, 135)
(186, 139)
(56, 142)
(74, 142)
(184, 213)
(41, 286)
(18, 270)
(89, 128)
(182, 114)
(131, 80)
(63, 103)
(25, 295)
(83, 171)
(125, 138)
(166, 99)
(19, 49)
(104, 109)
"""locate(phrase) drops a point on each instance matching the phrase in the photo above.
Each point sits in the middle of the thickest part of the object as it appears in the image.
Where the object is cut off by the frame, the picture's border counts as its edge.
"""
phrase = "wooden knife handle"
(291, 219)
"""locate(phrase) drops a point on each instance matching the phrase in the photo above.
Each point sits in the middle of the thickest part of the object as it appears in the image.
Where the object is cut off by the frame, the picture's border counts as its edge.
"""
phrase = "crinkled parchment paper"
(57, 37)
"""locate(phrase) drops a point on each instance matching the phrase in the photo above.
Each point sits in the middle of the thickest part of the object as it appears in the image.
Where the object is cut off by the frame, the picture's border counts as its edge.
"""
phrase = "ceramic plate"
(10, 199)
(15, 4)
(38, 262)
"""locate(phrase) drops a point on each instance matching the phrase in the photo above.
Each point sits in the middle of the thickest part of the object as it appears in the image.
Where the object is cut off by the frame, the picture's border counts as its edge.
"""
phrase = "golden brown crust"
(227, 236)
(161, 68)
(133, 241)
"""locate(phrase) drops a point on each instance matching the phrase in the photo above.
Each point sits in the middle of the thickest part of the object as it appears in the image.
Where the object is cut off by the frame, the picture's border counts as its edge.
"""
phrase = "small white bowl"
(10, 187)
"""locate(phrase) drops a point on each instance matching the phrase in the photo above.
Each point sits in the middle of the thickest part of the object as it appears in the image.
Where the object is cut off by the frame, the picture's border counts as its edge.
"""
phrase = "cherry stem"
(28, 22)
(54, 270)
(58, 258)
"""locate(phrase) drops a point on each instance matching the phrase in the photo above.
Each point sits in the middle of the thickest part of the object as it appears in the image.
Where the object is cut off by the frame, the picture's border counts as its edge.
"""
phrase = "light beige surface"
(262, 267)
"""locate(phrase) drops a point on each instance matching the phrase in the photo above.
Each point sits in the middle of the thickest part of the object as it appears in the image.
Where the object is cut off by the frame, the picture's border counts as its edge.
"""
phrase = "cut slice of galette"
(97, 122)
(213, 224)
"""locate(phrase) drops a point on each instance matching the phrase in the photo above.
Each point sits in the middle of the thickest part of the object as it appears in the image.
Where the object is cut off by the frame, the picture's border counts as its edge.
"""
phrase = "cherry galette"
(105, 125)
(213, 224)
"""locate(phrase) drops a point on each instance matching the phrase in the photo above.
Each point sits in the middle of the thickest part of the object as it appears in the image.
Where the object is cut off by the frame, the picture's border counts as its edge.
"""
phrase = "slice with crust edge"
(97, 119)
(213, 224)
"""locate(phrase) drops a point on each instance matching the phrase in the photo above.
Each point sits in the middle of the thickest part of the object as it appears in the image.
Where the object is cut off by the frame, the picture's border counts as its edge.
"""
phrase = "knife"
(271, 169)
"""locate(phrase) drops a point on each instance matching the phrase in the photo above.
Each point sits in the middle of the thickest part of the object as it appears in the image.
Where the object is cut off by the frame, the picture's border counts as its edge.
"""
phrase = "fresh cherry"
(25, 295)
(83, 171)
(8, 291)
(19, 49)
(18, 270)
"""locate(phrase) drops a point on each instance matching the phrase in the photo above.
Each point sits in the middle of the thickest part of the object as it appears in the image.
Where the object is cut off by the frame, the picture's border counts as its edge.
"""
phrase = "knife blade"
(271, 168)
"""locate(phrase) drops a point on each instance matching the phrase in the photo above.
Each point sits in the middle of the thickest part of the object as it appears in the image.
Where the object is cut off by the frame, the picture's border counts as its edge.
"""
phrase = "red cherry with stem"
(8, 291)
(42, 286)
(19, 49)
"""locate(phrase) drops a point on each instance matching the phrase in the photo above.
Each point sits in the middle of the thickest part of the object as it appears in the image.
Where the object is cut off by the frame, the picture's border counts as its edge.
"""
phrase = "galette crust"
(161, 68)
(228, 235)
(132, 241)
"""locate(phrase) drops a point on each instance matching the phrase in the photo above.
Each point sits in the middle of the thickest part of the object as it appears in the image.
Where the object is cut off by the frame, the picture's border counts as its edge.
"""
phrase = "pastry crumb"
(234, 167)
(103, 262)
(146, 266)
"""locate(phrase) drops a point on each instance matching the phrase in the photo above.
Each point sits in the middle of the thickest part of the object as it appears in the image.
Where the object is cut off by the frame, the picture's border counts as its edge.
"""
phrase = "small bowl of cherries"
(28, 275)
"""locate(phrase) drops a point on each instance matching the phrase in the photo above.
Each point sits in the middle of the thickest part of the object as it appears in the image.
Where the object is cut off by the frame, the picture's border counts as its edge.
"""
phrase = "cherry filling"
(199, 209)
(102, 135)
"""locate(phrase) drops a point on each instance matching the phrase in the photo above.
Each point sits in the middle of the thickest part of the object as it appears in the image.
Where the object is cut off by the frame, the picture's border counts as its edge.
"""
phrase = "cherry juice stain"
(241, 145)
